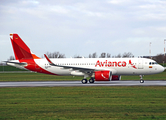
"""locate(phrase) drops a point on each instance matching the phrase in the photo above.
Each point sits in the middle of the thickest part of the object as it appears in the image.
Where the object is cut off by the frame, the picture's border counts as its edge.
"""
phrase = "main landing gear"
(141, 79)
(91, 80)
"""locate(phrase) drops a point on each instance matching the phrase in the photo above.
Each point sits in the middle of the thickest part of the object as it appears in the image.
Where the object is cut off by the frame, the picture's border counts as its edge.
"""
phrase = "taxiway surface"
(78, 83)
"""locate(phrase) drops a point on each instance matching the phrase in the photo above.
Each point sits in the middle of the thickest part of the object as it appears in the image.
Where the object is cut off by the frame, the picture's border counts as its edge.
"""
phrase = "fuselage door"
(140, 64)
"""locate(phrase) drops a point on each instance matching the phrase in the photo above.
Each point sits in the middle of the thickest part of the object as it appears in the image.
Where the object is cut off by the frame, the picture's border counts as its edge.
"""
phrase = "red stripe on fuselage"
(32, 66)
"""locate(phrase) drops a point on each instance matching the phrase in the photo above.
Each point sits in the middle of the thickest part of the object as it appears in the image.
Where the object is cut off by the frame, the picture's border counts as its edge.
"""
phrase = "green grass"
(43, 77)
(34, 77)
(10, 68)
(160, 76)
(64, 103)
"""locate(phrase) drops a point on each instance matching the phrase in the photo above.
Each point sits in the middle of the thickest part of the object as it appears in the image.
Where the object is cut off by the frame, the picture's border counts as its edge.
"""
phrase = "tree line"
(159, 58)
(93, 55)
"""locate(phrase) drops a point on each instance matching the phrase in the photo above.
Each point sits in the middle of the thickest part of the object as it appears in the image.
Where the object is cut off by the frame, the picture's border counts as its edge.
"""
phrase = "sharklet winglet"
(50, 62)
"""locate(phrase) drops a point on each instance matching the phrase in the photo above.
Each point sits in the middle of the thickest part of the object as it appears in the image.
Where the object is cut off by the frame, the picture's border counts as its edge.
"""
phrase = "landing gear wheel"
(141, 81)
(84, 81)
(91, 80)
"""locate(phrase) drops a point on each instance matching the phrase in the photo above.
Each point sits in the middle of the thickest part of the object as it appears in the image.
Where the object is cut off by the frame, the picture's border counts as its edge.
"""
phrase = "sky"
(82, 27)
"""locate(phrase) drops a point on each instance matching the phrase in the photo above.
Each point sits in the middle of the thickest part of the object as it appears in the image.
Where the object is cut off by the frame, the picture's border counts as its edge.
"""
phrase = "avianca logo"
(107, 63)
(132, 65)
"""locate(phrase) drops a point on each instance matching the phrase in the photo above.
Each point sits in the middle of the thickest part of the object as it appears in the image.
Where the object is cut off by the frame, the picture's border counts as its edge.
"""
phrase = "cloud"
(119, 2)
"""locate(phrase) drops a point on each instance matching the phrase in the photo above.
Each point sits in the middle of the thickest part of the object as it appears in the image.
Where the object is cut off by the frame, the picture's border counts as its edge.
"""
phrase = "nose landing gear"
(141, 79)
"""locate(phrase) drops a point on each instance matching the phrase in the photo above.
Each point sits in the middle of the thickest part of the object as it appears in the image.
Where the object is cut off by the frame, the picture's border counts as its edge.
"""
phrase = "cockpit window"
(153, 63)
(156, 63)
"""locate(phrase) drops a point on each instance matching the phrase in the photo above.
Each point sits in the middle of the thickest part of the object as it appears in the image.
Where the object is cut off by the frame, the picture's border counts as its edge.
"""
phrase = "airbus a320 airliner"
(98, 69)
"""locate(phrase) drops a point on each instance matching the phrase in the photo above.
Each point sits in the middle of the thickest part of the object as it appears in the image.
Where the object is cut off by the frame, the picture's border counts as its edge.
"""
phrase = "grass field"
(43, 77)
(10, 68)
(64, 103)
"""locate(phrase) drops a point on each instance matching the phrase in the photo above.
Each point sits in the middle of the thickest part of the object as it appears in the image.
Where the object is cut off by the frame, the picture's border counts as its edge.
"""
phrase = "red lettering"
(106, 63)
(111, 64)
(114, 64)
(98, 63)
(123, 64)
(102, 64)
(119, 64)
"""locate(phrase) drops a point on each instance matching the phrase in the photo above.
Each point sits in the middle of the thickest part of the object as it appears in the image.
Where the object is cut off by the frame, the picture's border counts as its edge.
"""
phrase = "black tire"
(91, 80)
(141, 81)
(84, 81)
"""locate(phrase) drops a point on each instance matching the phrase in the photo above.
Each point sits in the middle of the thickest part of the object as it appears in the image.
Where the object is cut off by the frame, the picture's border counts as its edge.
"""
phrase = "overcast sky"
(80, 27)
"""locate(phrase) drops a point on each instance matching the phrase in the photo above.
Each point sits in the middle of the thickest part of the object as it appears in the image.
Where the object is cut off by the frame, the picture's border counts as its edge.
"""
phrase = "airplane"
(98, 69)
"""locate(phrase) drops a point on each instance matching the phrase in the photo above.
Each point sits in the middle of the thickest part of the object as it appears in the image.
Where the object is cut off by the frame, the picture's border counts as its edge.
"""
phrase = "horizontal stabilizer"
(17, 63)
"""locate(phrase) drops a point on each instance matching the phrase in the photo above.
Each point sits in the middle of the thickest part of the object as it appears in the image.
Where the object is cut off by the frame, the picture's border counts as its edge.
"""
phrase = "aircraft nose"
(161, 69)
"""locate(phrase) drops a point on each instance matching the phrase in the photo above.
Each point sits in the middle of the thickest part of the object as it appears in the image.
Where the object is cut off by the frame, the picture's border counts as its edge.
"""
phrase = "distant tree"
(77, 56)
(118, 56)
(159, 58)
(108, 55)
(55, 55)
(90, 56)
(94, 55)
(11, 58)
(61, 56)
(103, 55)
(127, 55)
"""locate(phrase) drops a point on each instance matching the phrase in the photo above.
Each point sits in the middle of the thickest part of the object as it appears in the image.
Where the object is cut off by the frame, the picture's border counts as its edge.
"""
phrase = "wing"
(81, 69)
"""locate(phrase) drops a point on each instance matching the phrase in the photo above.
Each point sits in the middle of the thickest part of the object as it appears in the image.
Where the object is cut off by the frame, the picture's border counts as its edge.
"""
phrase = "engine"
(106, 76)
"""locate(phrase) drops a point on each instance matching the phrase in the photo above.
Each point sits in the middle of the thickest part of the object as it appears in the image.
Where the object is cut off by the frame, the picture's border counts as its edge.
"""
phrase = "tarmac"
(78, 83)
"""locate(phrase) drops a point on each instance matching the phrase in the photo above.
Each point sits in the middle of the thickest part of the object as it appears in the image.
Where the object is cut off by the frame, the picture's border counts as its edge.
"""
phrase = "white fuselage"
(118, 66)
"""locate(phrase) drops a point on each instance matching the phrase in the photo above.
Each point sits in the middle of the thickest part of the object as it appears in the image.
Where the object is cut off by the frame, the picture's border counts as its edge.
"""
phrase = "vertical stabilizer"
(21, 50)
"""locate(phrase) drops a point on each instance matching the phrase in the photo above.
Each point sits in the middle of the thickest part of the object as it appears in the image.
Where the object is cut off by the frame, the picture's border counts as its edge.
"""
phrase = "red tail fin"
(21, 50)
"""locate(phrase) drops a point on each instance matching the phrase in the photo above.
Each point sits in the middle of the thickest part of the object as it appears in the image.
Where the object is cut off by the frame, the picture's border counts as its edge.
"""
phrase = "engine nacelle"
(106, 76)
(103, 75)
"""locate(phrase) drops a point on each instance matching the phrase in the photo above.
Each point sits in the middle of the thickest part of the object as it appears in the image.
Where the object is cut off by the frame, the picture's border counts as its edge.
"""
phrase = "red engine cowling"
(103, 75)
(106, 76)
